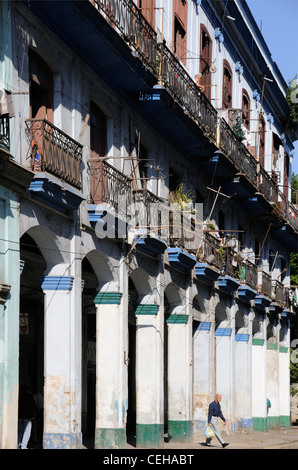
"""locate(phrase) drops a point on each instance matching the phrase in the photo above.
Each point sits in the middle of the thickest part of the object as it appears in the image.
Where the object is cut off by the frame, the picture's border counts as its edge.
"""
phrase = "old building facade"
(125, 309)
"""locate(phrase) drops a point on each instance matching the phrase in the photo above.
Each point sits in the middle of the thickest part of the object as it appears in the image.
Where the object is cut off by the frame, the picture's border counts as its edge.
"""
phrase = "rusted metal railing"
(54, 151)
(110, 186)
(4, 132)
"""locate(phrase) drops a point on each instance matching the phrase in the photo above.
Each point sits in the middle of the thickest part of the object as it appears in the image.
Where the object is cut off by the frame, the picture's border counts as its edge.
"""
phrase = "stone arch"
(221, 315)
(240, 322)
(52, 249)
(173, 297)
(144, 286)
(257, 327)
(103, 269)
(198, 308)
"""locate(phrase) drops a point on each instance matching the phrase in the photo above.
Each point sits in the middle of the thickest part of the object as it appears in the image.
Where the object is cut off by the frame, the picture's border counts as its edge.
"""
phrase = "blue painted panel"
(223, 332)
(57, 282)
(206, 273)
(181, 260)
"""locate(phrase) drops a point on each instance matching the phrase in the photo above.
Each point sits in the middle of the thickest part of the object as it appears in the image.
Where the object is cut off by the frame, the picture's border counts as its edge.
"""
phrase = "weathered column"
(202, 380)
(179, 417)
(110, 432)
(149, 387)
(259, 373)
(62, 394)
(284, 376)
(272, 373)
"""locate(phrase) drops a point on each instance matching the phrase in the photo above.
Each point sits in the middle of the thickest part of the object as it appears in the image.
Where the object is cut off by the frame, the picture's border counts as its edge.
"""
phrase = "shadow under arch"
(143, 285)
(103, 270)
(51, 248)
(221, 316)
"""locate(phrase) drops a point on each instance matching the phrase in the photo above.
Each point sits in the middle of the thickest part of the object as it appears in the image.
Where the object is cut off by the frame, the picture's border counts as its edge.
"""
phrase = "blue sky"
(278, 21)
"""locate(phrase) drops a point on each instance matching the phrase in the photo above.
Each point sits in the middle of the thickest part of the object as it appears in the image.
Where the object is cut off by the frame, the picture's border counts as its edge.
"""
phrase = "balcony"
(54, 152)
(4, 132)
(109, 187)
(147, 74)
(278, 293)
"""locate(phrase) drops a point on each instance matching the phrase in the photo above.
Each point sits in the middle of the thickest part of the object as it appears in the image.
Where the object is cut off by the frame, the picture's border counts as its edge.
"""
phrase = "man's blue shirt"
(215, 410)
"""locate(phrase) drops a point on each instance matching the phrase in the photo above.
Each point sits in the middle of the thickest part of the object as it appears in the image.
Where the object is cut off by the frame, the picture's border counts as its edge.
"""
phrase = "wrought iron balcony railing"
(54, 152)
(4, 132)
(278, 293)
(128, 21)
(109, 186)
(264, 283)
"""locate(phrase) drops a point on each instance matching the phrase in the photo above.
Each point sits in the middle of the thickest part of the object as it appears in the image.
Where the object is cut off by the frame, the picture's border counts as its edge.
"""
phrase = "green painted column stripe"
(180, 431)
(258, 342)
(150, 435)
(285, 421)
(272, 346)
(259, 424)
(147, 309)
(110, 438)
(177, 318)
(108, 298)
(283, 349)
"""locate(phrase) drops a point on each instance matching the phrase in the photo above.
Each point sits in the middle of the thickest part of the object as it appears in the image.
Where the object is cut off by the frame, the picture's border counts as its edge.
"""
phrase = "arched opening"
(31, 331)
(89, 285)
(131, 410)
(172, 299)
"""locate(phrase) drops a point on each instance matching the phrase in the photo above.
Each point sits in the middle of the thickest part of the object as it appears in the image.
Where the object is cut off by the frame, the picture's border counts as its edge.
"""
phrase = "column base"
(150, 435)
(285, 421)
(180, 431)
(62, 441)
(110, 438)
(259, 424)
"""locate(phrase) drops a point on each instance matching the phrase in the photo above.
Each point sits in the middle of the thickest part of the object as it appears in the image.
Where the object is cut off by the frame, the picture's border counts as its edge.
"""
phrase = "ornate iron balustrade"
(278, 292)
(133, 27)
(213, 253)
(250, 274)
(181, 86)
(264, 283)
(109, 186)
(54, 151)
(237, 152)
(4, 132)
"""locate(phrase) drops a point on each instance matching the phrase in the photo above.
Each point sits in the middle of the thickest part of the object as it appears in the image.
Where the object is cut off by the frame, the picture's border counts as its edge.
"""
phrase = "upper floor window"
(227, 86)
(180, 27)
(205, 60)
(147, 8)
(245, 109)
(261, 142)
(98, 132)
(41, 88)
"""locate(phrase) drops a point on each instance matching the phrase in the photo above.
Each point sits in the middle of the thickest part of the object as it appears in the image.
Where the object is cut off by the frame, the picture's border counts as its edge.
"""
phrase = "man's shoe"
(225, 444)
(208, 440)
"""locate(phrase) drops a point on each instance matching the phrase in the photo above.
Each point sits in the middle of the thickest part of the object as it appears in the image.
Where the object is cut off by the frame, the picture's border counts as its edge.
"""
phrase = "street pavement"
(286, 438)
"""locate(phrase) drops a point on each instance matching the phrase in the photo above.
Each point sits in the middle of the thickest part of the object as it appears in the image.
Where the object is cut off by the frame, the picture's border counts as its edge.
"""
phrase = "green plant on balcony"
(184, 199)
(237, 129)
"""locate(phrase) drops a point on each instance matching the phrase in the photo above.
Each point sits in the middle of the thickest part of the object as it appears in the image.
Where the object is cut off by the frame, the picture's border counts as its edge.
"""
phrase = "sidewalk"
(275, 439)
(286, 438)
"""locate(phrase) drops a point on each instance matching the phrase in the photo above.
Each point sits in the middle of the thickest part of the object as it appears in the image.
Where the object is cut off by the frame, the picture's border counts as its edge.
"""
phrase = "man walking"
(214, 412)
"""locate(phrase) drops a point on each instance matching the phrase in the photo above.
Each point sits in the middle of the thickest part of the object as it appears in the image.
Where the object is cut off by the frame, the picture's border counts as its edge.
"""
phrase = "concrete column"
(242, 373)
(284, 377)
(110, 432)
(9, 318)
(149, 419)
(179, 415)
(202, 380)
(259, 414)
(62, 398)
(223, 337)
(272, 377)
